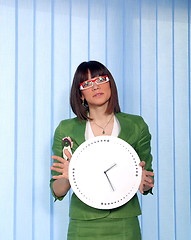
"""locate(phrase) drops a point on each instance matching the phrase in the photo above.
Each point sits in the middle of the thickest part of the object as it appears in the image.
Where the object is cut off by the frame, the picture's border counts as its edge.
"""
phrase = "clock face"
(104, 172)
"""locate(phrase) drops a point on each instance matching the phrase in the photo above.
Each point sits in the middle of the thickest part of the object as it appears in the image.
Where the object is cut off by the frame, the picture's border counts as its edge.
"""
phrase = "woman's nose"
(95, 86)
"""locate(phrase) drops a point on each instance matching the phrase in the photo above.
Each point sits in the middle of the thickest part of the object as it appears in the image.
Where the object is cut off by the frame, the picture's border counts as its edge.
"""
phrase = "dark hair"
(81, 75)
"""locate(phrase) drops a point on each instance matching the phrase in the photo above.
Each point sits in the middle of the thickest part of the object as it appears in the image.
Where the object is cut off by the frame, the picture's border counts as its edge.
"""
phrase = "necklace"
(103, 128)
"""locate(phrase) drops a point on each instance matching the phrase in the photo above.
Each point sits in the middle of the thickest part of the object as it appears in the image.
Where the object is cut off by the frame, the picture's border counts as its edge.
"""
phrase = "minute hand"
(109, 181)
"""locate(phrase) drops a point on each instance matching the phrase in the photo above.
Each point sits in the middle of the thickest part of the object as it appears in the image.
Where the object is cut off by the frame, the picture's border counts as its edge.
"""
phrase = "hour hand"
(110, 167)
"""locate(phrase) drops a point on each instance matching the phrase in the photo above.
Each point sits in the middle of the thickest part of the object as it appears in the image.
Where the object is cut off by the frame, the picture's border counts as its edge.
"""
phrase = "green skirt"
(105, 229)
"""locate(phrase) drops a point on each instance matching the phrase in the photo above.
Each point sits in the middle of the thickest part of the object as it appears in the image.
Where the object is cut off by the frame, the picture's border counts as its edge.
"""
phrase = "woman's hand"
(147, 181)
(61, 167)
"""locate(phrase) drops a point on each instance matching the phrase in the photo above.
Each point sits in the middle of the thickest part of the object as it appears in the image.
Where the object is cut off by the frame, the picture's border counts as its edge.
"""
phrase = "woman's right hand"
(62, 166)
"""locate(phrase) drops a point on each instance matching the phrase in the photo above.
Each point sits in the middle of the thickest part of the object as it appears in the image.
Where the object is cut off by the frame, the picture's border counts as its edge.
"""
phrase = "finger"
(68, 154)
(142, 164)
(60, 159)
(141, 188)
(149, 185)
(148, 180)
(149, 173)
(60, 165)
(60, 176)
(59, 170)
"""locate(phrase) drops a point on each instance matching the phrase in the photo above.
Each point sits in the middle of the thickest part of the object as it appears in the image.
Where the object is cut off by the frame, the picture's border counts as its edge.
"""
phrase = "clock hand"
(110, 167)
(109, 181)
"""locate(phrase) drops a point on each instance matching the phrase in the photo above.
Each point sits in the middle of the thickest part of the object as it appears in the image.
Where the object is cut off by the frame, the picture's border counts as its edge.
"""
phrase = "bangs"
(83, 76)
(94, 68)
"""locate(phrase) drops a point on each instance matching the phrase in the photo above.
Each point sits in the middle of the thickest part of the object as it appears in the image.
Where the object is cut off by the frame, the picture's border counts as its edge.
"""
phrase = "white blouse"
(115, 131)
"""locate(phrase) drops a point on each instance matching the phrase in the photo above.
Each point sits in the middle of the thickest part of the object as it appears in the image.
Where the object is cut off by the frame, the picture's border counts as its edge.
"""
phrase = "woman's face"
(97, 95)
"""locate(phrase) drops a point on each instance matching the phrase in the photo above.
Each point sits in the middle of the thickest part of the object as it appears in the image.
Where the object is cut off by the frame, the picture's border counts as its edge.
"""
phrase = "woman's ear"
(82, 98)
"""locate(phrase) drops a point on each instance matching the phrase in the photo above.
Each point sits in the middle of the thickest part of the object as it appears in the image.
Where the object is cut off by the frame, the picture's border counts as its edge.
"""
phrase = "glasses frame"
(94, 80)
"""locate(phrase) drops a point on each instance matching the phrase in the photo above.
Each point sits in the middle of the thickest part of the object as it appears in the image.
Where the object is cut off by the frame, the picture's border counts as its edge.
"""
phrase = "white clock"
(104, 172)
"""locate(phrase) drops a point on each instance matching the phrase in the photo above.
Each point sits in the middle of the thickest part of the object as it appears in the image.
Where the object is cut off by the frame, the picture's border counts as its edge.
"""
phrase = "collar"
(79, 129)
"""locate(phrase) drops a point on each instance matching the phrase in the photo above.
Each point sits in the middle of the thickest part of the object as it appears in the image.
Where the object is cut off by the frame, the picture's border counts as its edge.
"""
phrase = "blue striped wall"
(146, 45)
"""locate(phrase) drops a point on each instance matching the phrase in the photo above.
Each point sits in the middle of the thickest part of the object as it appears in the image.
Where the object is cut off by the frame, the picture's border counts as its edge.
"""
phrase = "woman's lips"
(97, 94)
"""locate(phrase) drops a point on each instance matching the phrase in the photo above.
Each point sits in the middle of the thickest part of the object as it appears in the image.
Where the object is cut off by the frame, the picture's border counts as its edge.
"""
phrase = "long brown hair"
(81, 75)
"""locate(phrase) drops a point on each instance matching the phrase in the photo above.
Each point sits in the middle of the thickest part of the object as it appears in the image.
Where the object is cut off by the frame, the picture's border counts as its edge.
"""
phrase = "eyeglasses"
(89, 83)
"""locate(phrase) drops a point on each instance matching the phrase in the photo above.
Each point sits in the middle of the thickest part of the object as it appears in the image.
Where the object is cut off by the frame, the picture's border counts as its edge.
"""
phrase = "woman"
(94, 100)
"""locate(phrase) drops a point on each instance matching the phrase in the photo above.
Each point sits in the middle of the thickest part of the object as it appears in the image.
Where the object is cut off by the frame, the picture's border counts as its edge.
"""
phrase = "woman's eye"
(86, 84)
(101, 79)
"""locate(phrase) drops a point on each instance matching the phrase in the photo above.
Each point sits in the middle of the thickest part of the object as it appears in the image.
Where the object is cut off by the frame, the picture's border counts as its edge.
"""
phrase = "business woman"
(94, 100)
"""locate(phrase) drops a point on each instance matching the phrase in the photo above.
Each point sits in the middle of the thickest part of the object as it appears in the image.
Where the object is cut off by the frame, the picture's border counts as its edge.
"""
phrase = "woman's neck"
(99, 114)
(101, 122)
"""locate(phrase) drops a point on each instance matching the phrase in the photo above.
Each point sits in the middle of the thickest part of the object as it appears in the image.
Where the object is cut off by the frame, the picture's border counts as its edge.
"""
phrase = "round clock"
(104, 172)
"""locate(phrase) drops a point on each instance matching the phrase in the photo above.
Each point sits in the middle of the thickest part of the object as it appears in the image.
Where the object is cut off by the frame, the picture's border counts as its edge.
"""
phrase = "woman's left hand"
(62, 166)
(147, 181)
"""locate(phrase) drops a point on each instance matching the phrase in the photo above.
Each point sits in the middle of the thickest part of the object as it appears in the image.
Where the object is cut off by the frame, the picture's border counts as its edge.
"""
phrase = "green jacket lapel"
(128, 131)
(78, 133)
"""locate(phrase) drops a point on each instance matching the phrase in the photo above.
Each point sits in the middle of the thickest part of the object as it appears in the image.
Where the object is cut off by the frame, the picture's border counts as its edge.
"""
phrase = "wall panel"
(114, 42)
(24, 179)
(131, 58)
(165, 123)
(148, 107)
(146, 45)
(79, 33)
(42, 117)
(8, 130)
(181, 118)
(61, 81)
(97, 30)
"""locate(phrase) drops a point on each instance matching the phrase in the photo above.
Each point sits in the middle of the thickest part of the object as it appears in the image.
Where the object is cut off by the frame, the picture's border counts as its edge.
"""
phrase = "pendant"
(103, 132)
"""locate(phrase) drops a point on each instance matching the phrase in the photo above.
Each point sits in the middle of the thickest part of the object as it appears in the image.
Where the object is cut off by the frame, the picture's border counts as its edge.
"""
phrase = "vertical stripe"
(124, 50)
(157, 125)
(70, 60)
(16, 118)
(70, 50)
(173, 100)
(189, 98)
(140, 53)
(106, 29)
(34, 119)
(52, 111)
(89, 14)
(140, 78)
(52, 66)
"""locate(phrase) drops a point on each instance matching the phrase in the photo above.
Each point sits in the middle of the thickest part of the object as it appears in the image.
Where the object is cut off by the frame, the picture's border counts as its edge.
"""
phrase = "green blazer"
(134, 131)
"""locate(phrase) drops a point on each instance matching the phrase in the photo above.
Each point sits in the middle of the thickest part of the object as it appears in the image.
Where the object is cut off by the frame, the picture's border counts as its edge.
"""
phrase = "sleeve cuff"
(148, 191)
